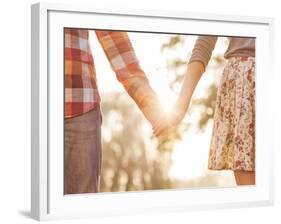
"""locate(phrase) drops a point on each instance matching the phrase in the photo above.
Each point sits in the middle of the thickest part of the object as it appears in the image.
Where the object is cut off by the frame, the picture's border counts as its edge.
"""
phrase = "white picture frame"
(47, 199)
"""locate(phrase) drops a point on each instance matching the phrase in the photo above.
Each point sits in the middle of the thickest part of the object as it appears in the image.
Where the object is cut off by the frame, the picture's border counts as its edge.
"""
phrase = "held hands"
(170, 121)
(193, 74)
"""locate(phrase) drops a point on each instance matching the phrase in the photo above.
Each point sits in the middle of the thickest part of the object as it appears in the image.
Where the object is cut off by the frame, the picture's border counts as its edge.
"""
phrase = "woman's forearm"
(193, 74)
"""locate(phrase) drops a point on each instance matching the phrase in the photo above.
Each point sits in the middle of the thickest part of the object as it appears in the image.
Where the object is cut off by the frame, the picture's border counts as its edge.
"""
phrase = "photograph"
(150, 111)
(140, 112)
(120, 112)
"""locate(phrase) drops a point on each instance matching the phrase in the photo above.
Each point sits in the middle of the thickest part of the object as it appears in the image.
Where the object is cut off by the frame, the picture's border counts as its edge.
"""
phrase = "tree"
(131, 160)
(176, 68)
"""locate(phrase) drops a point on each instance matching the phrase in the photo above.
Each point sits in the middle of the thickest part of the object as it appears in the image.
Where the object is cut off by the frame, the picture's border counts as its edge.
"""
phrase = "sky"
(190, 156)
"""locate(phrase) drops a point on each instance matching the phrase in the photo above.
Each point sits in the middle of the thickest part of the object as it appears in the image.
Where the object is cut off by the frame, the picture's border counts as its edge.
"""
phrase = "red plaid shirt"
(81, 92)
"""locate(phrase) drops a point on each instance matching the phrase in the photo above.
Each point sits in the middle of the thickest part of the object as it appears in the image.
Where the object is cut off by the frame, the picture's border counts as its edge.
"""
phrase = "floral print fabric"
(233, 138)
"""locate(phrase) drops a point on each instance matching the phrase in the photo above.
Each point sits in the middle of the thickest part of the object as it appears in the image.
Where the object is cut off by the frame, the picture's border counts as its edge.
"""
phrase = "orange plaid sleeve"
(121, 55)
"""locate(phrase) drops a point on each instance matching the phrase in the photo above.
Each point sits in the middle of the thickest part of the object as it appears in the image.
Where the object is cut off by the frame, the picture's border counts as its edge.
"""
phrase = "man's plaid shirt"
(81, 92)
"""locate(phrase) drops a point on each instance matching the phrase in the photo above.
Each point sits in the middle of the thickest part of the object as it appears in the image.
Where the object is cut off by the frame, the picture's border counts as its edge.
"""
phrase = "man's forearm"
(146, 99)
(121, 55)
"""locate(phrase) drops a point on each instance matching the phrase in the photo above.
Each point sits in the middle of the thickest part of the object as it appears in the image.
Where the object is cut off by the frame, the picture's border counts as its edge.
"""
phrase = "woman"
(233, 138)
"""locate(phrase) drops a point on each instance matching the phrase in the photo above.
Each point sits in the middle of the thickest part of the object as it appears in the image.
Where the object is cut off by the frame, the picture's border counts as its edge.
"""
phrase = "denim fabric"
(82, 152)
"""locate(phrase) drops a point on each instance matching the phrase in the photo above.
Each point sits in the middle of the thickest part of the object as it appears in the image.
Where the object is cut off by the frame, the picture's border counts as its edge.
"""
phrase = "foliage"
(134, 160)
(176, 68)
(131, 160)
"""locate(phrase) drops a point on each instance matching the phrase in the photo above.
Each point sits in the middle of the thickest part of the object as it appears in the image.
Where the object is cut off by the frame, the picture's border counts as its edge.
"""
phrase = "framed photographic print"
(148, 111)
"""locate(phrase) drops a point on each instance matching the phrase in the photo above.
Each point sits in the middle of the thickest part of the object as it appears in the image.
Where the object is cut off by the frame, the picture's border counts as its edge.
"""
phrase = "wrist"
(154, 116)
(181, 107)
(177, 117)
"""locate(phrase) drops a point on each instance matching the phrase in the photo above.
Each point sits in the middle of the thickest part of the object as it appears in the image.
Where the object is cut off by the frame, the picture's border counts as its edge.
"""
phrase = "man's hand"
(166, 128)
(163, 129)
(171, 121)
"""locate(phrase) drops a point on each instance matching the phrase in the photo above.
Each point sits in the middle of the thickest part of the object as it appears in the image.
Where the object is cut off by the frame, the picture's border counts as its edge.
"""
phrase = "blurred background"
(132, 158)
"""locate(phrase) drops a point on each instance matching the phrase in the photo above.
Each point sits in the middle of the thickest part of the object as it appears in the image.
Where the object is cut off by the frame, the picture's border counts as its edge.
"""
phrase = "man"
(82, 130)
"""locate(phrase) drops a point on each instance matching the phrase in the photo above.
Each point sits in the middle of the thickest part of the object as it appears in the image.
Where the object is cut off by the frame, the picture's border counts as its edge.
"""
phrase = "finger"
(159, 133)
(160, 128)
(160, 124)
(168, 132)
(162, 136)
(164, 132)
(165, 135)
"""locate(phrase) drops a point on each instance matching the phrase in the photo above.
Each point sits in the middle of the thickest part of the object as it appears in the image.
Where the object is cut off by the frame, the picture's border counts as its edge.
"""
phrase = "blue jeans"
(82, 152)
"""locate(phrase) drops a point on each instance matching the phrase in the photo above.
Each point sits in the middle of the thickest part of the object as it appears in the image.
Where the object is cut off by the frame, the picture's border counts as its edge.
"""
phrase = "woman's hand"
(172, 121)
(193, 74)
(179, 111)
(162, 129)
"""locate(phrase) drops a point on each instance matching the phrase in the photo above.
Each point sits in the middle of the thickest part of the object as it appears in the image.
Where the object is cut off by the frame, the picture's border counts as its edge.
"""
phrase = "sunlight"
(190, 154)
(190, 157)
